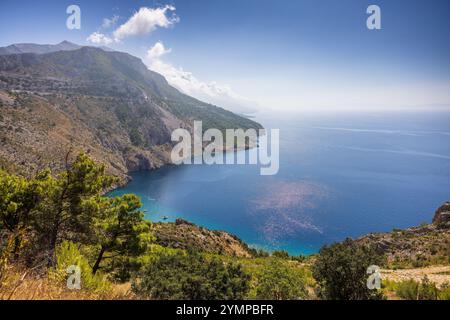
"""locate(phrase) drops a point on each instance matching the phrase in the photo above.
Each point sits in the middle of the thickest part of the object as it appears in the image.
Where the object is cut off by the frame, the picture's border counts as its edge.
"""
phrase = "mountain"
(38, 48)
(106, 102)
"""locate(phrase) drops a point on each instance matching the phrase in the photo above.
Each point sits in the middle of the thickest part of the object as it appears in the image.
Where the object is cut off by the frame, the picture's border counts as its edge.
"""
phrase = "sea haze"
(342, 175)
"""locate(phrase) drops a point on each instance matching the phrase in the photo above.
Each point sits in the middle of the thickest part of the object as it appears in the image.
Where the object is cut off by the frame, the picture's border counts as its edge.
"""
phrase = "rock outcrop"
(186, 235)
(442, 216)
(426, 245)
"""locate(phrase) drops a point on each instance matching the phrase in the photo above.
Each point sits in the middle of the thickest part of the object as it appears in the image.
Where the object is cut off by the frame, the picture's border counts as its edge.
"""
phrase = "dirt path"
(438, 275)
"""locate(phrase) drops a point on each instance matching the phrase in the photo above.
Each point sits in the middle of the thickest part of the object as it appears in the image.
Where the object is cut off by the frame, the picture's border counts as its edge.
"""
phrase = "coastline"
(128, 178)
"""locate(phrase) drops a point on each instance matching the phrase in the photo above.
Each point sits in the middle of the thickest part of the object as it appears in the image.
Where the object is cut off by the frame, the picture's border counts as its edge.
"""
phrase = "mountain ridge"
(18, 48)
(106, 102)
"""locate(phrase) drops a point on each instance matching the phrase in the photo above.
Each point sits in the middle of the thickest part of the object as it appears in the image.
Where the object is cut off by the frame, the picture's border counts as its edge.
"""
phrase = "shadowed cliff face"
(105, 102)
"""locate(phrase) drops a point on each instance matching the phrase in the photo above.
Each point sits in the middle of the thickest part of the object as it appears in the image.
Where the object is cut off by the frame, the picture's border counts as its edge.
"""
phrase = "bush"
(412, 290)
(68, 254)
(407, 290)
(282, 254)
(444, 293)
(191, 276)
(427, 290)
(69, 206)
(341, 271)
(279, 281)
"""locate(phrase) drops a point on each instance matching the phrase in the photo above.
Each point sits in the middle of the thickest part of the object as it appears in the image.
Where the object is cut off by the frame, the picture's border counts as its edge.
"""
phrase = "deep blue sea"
(341, 175)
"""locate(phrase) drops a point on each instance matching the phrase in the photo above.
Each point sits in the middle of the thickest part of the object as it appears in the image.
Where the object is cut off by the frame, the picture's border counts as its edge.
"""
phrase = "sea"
(340, 176)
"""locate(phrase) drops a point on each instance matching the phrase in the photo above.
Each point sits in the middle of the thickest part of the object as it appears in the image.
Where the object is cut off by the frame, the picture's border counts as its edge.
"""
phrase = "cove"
(339, 176)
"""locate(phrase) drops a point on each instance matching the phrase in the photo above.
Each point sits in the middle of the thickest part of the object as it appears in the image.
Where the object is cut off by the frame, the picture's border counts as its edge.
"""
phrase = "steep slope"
(425, 245)
(92, 99)
(186, 235)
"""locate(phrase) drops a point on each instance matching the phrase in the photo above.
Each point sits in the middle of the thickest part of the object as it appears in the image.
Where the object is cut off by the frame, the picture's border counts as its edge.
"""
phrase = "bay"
(341, 175)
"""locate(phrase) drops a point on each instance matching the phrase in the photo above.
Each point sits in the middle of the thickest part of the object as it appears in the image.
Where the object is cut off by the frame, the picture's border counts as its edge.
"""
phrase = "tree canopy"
(192, 276)
(341, 271)
(48, 209)
(279, 281)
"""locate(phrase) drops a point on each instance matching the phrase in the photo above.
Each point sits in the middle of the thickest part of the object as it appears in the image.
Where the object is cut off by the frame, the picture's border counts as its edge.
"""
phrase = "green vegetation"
(192, 276)
(413, 290)
(341, 271)
(53, 221)
(135, 137)
(119, 230)
(38, 217)
(187, 236)
(68, 254)
(279, 281)
(444, 292)
(281, 254)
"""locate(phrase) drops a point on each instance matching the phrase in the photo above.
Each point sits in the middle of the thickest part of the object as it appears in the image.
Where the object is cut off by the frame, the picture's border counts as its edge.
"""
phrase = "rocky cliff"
(104, 102)
(425, 245)
(442, 216)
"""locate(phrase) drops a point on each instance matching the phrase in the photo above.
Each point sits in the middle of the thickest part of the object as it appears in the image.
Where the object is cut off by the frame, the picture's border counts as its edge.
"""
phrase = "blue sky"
(284, 55)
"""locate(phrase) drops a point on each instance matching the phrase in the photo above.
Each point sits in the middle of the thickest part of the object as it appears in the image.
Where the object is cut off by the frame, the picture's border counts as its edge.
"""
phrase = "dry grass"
(436, 274)
(23, 285)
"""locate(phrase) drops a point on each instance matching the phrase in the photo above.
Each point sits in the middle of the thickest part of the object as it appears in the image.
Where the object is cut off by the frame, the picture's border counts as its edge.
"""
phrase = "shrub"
(68, 254)
(412, 290)
(407, 290)
(282, 254)
(191, 276)
(279, 281)
(341, 271)
(444, 293)
(69, 206)
(427, 290)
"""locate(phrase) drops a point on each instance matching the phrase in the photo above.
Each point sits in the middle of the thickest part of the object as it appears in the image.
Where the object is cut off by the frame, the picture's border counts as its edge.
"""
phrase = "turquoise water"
(340, 176)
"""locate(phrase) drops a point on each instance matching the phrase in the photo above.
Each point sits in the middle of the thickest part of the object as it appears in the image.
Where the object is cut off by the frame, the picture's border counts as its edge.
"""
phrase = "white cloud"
(185, 81)
(157, 51)
(145, 21)
(109, 22)
(99, 38)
